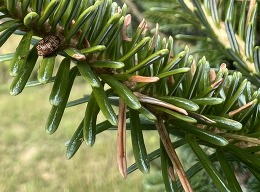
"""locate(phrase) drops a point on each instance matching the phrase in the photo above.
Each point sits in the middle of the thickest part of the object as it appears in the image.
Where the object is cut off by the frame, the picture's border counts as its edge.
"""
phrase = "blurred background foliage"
(187, 29)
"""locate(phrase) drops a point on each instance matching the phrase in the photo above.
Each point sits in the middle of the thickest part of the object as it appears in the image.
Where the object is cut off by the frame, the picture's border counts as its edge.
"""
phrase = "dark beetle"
(48, 45)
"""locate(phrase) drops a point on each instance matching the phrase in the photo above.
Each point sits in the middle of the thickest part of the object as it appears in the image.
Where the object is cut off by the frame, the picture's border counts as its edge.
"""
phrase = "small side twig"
(241, 138)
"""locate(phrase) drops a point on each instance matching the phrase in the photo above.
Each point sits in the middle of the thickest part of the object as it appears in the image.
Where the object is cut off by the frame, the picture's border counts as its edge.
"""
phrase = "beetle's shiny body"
(48, 45)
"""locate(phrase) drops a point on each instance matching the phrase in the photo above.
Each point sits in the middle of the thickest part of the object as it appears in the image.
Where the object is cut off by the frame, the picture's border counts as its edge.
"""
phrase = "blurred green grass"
(32, 160)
